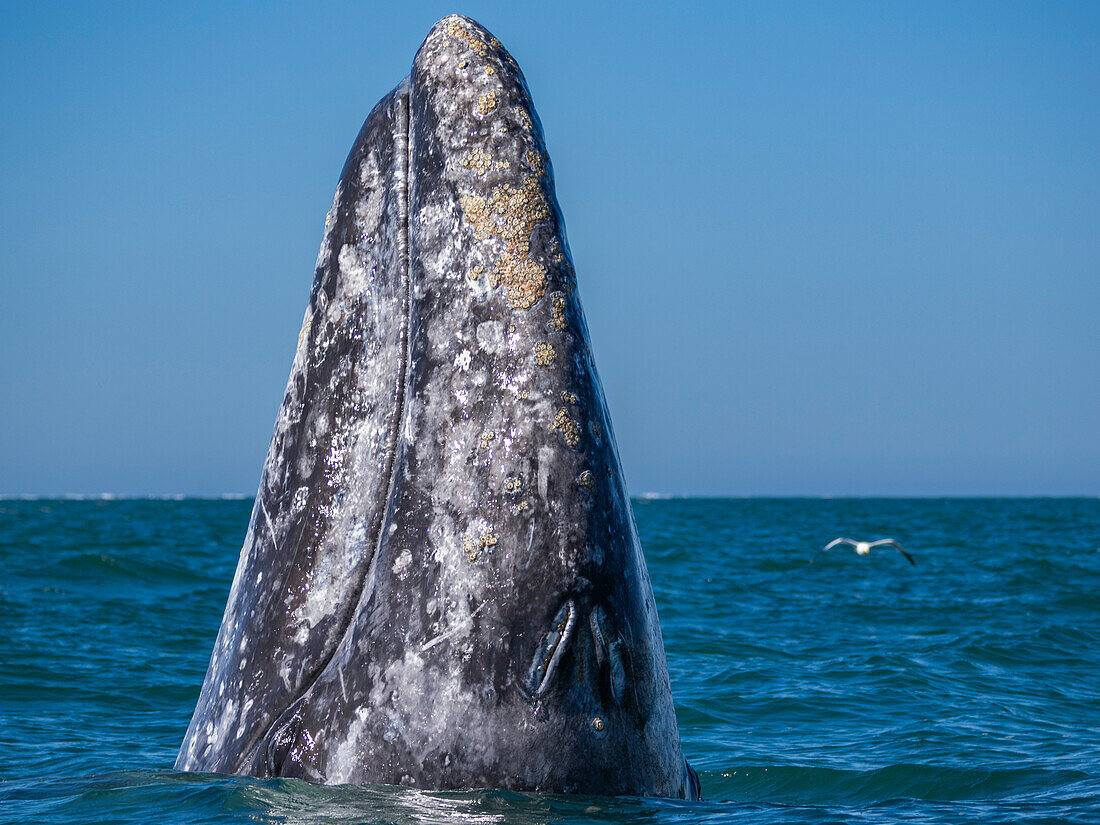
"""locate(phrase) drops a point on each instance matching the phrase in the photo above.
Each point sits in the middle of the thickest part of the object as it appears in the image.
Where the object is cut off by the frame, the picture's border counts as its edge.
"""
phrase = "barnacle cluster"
(510, 214)
(460, 32)
(486, 103)
(557, 312)
(570, 429)
(544, 354)
(524, 118)
(478, 161)
(535, 161)
(472, 547)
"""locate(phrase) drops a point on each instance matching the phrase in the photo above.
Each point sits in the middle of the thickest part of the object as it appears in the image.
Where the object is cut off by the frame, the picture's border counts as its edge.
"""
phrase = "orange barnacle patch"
(510, 214)
(569, 429)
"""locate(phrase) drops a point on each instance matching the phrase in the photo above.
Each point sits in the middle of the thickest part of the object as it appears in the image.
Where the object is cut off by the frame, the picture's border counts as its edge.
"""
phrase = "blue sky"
(824, 249)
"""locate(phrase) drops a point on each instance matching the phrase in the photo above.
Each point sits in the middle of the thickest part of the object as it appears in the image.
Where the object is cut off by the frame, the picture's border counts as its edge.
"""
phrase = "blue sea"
(809, 688)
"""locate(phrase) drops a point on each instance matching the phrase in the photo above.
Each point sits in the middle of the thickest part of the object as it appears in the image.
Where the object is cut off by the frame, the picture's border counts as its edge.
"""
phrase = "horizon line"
(643, 497)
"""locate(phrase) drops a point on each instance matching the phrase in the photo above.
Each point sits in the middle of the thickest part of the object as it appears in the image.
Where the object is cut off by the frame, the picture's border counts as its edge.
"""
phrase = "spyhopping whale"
(441, 584)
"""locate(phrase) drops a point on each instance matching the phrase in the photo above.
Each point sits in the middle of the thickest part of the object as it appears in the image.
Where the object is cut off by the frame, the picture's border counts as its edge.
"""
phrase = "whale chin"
(442, 584)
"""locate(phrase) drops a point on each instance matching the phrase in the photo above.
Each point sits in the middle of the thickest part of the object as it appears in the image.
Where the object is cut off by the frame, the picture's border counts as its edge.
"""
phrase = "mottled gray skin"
(442, 584)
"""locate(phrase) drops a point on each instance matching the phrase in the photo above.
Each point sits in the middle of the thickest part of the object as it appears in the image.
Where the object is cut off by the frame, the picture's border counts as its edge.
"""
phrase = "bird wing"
(829, 546)
(892, 543)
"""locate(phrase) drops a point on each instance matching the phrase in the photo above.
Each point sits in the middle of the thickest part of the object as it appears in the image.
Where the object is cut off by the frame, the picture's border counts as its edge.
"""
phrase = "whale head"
(442, 583)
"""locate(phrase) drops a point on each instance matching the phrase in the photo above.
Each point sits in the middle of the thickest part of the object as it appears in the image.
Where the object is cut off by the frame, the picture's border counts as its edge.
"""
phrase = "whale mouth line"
(280, 733)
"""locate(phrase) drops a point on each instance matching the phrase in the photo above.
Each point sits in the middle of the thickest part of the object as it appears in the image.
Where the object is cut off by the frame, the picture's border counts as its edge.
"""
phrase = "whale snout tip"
(460, 34)
(455, 17)
(448, 25)
(462, 67)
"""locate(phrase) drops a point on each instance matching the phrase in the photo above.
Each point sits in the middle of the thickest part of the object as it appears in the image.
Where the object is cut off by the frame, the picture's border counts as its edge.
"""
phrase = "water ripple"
(809, 688)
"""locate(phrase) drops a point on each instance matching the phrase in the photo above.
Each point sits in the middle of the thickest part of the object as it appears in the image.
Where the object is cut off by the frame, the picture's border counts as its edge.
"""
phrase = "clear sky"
(824, 249)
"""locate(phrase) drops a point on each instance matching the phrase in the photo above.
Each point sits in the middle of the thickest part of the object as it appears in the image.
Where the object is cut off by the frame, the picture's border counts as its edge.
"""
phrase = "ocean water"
(965, 688)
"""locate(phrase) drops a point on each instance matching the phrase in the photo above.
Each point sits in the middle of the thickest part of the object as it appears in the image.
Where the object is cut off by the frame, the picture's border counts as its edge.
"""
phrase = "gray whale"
(442, 584)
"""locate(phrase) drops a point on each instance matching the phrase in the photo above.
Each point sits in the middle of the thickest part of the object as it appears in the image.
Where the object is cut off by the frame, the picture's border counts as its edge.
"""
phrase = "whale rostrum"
(442, 584)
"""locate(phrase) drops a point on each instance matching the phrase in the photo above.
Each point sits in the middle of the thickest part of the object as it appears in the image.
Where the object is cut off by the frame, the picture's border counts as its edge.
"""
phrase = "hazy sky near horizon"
(823, 249)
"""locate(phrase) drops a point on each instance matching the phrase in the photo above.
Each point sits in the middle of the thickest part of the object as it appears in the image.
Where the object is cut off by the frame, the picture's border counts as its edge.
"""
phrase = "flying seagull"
(862, 548)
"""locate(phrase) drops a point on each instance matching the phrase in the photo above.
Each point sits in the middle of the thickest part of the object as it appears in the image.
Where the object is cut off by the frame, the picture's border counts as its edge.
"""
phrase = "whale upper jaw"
(442, 583)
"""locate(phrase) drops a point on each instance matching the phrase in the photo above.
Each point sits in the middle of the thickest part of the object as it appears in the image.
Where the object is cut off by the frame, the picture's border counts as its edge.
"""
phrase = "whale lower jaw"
(442, 584)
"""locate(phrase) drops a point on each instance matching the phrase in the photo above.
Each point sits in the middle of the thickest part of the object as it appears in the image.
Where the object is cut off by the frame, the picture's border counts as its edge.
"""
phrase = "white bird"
(862, 548)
